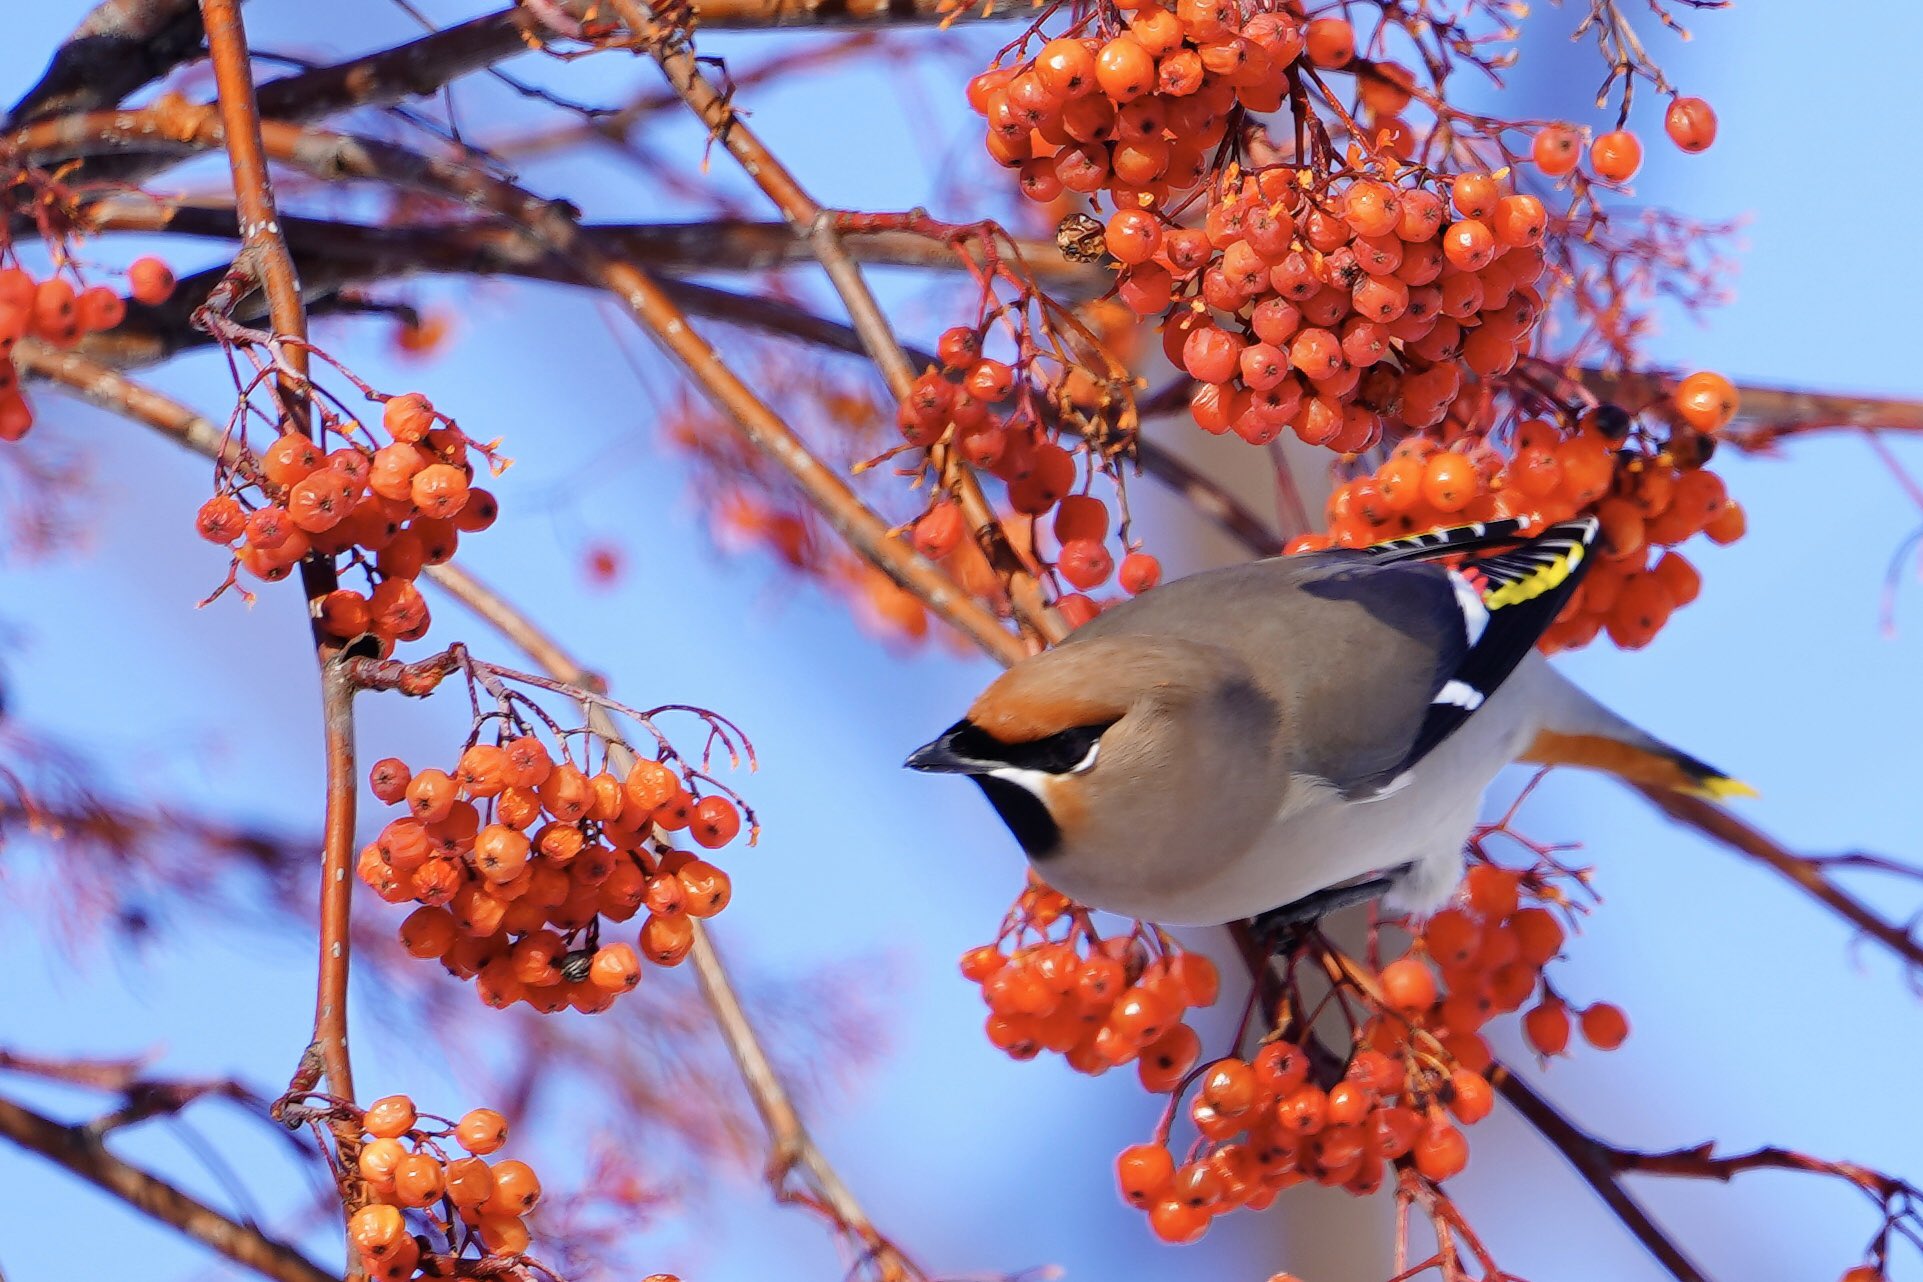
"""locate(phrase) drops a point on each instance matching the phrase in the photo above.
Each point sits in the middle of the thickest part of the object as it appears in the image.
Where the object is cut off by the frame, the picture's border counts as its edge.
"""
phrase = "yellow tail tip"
(1722, 788)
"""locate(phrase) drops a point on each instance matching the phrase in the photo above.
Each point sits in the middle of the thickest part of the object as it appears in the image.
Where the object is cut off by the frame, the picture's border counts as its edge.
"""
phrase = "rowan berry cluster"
(954, 403)
(55, 312)
(1416, 1074)
(426, 1212)
(518, 863)
(393, 509)
(1053, 983)
(1650, 494)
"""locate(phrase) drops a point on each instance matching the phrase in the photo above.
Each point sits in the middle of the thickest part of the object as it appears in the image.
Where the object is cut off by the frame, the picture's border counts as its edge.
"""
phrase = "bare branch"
(86, 1156)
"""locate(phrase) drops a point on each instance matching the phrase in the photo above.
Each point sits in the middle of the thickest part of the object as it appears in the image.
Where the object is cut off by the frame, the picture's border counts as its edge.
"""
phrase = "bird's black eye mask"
(968, 749)
(1064, 752)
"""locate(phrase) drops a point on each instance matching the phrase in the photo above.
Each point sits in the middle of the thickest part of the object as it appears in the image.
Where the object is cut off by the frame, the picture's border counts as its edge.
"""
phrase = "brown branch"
(747, 15)
(1720, 825)
(118, 47)
(268, 260)
(1767, 413)
(1592, 1160)
(83, 1154)
(337, 881)
(819, 226)
(672, 249)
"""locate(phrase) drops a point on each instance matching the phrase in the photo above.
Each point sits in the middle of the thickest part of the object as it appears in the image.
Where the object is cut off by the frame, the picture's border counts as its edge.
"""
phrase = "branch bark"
(84, 1155)
(1591, 1160)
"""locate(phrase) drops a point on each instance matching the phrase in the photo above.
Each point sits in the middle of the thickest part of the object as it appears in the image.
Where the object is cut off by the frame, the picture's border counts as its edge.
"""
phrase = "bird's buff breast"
(1316, 844)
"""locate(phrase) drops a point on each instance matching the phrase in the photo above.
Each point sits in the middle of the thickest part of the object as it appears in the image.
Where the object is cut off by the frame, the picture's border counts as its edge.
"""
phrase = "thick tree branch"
(82, 1153)
(1768, 413)
(1807, 874)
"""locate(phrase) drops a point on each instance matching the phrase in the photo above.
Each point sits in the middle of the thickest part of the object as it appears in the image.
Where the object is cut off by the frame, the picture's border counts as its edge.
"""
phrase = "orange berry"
(439, 490)
(516, 1189)
(1449, 482)
(665, 941)
(650, 785)
(408, 417)
(1546, 1025)
(379, 1159)
(481, 1131)
(1474, 1100)
(150, 281)
(418, 1180)
(503, 1234)
(1139, 572)
(615, 967)
(470, 1182)
(377, 1231)
(389, 1117)
(1706, 401)
(1616, 155)
(1604, 1026)
(1441, 1151)
(1408, 985)
(716, 822)
(1330, 42)
(1474, 195)
(1691, 124)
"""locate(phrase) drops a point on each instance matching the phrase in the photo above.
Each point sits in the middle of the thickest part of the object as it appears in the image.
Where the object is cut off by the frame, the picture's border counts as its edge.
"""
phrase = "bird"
(1281, 738)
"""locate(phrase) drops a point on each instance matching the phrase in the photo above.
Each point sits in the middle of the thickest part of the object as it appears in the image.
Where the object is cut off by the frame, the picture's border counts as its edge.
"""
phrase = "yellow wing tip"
(1723, 788)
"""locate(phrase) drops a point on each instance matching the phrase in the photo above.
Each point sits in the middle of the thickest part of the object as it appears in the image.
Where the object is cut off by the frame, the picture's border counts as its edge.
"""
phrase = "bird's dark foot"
(1282, 930)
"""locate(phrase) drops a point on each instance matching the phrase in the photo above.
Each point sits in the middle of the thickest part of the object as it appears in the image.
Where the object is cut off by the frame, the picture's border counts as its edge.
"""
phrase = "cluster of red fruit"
(56, 313)
(1099, 1003)
(1338, 314)
(1282, 1118)
(954, 403)
(1649, 496)
(399, 507)
(516, 859)
(459, 1202)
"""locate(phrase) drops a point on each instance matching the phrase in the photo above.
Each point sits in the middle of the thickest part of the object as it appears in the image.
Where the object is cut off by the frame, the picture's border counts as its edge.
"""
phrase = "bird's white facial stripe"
(1475, 615)
(1032, 781)
(1036, 781)
(1461, 694)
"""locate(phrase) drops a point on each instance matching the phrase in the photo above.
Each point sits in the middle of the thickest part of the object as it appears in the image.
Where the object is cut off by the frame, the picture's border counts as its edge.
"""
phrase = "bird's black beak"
(942, 756)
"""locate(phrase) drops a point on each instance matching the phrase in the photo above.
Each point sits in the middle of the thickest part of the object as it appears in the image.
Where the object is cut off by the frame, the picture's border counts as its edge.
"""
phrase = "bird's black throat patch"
(1024, 814)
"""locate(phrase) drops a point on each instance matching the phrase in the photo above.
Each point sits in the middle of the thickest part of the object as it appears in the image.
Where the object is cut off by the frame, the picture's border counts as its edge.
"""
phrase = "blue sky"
(1754, 1019)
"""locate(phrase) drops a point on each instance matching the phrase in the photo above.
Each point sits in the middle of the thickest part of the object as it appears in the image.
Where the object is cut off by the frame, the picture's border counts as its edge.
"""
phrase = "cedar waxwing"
(1296, 734)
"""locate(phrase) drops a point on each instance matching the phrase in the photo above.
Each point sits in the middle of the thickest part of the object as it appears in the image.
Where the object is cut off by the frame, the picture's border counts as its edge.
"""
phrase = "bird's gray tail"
(1573, 729)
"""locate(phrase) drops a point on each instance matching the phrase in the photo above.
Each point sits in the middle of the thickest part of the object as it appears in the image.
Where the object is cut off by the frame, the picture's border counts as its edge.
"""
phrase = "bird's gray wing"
(1505, 601)
(1375, 657)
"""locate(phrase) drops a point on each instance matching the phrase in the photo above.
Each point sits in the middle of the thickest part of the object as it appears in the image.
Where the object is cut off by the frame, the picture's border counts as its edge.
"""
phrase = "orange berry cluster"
(410, 1179)
(1649, 496)
(1343, 312)
(1138, 115)
(397, 508)
(516, 859)
(1485, 958)
(1099, 1003)
(954, 403)
(1416, 1075)
(54, 312)
(1618, 154)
